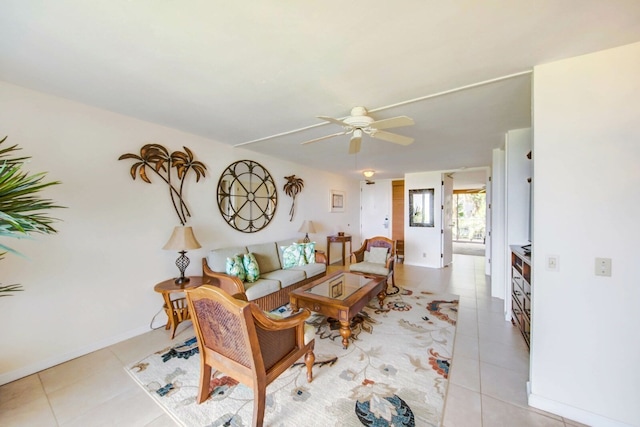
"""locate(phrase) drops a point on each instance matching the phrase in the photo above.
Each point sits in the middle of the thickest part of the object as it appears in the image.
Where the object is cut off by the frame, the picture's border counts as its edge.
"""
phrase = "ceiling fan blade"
(393, 122)
(392, 137)
(334, 121)
(354, 144)
(324, 137)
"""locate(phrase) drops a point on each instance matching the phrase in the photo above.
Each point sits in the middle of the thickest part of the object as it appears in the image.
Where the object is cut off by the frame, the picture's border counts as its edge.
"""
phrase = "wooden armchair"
(237, 338)
(376, 262)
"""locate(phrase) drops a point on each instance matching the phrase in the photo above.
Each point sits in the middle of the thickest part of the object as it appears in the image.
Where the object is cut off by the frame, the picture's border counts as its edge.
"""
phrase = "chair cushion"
(376, 255)
(261, 288)
(292, 255)
(235, 267)
(285, 277)
(266, 255)
(251, 267)
(217, 258)
(311, 269)
(369, 268)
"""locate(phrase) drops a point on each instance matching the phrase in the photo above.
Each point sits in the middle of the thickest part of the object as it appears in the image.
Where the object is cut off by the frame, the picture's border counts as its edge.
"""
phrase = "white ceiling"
(236, 71)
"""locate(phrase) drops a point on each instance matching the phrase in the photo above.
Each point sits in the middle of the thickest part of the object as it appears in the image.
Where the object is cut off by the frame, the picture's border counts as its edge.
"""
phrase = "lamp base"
(181, 280)
(306, 238)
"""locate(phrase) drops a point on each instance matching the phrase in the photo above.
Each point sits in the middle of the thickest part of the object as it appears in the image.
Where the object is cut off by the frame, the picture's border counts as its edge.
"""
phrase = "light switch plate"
(603, 267)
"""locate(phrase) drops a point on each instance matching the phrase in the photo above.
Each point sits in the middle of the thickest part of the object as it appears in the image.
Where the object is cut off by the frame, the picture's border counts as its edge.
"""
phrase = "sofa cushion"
(261, 288)
(251, 267)
(281, 244)
(286, 277)
(369, 268)
(217, 258)
(311, 270)
(292, 255)
(309, 252)
(235, 267)
(267, 256)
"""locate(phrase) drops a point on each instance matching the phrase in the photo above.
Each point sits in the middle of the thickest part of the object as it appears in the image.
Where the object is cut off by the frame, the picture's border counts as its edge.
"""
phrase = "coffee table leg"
(345, 331)
(381, 296)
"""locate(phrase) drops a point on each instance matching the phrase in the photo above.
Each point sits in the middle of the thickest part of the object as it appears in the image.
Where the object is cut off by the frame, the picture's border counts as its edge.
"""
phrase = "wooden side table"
(340, 239)
(177, 309)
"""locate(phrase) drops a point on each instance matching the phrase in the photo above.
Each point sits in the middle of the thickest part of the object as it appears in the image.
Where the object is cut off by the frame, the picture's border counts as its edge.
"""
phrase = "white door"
(375, 210)
(447, 219)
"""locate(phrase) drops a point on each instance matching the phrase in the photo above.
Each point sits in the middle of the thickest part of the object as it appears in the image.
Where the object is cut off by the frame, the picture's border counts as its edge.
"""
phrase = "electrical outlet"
(603, 267)
(553, 262)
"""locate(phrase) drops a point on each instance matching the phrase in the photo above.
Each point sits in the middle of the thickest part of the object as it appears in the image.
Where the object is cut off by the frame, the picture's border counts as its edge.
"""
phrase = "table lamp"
(181, 240)
(307, 227)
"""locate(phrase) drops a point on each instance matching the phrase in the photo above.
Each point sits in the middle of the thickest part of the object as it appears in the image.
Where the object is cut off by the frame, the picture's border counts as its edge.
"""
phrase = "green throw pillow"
(251, 267)
(310, 252)
(235, 267)
(292, 256)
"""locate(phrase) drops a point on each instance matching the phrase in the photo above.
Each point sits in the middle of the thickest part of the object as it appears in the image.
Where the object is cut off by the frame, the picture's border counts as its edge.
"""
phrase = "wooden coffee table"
(341, 296)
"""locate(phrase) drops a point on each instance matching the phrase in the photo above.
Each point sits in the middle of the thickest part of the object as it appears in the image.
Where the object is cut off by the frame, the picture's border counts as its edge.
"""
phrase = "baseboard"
(25, 371)
(571, 412)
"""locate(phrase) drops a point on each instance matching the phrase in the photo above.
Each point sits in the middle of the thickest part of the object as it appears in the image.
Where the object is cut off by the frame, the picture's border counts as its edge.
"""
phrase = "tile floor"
(487, 384)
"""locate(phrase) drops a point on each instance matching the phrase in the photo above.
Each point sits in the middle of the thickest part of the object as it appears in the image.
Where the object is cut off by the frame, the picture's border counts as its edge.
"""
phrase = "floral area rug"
(394, 373)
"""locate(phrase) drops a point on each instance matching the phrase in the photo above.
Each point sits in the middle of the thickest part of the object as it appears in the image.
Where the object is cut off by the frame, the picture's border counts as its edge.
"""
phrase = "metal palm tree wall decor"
(292, 187)
(160, 161)
(22, 210)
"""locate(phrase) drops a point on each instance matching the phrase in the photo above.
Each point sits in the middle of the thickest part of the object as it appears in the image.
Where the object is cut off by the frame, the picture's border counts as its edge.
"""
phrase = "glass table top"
(339, 287)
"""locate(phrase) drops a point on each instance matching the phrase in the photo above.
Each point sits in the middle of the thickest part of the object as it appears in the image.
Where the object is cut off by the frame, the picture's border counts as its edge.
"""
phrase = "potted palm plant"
(22, 210)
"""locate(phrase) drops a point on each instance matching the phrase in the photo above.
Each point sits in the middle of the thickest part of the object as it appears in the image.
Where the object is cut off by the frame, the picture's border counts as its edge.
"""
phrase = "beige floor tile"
(504, 384)
(463, 408)
(515, 358)
(163, 420)
(131, 408)
(465, 372)
(496, 413)
(501, 331)
(67, 373)
(466, 346)
(136, 348)
(33, 412)
(21, 390)
(90, 391)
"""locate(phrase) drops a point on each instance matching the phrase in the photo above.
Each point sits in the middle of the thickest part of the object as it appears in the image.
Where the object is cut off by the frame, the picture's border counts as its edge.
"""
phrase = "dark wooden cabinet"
(521, 291)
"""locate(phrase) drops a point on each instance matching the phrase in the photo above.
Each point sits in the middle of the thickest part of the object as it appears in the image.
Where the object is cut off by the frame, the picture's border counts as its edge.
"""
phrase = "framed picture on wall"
(336, 201)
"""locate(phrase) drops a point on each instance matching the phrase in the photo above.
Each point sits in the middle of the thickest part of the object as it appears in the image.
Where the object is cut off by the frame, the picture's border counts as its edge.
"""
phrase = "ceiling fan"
(359, 123)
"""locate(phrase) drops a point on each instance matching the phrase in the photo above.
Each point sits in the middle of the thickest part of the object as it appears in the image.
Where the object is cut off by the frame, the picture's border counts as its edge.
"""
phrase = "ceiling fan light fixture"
(368, 173)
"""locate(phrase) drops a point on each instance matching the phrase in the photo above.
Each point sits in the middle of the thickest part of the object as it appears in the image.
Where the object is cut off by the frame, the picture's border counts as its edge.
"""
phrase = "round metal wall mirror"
(247, 196)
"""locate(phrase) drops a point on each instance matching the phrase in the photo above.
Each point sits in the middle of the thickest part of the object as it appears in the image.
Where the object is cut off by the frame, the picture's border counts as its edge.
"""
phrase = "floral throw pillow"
(376, 255)
(251, 267)
(292, 255)
(235, 267)
(310, 252)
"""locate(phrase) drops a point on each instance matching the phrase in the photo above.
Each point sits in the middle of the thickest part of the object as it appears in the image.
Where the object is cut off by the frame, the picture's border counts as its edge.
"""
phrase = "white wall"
(423, 240)
(585, 349)
(91, 284)
(517, 171)
(498, 225)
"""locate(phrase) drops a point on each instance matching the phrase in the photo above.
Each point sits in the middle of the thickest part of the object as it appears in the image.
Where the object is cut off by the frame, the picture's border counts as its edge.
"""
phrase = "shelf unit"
(521, 291)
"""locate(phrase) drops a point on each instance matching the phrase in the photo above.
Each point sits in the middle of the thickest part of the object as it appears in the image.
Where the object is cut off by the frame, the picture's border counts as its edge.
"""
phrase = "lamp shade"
(182, 239)
(307, 227)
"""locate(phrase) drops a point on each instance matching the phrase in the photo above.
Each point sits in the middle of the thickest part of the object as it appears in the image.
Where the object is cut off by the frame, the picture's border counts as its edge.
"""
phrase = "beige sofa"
(272, 289)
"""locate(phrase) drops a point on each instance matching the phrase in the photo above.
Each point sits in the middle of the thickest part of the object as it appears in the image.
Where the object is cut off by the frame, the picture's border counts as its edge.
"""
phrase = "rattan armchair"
(237, 338)
(361, 265)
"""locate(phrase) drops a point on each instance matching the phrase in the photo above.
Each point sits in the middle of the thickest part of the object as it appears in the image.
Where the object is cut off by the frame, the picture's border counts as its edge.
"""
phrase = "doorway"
(397, 215)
